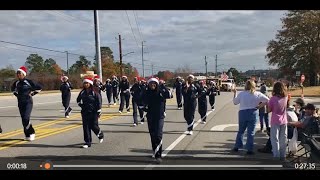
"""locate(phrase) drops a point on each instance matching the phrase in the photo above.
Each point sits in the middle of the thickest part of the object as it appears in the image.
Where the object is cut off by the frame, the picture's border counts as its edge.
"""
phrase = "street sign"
(302, 78)
(298, 73)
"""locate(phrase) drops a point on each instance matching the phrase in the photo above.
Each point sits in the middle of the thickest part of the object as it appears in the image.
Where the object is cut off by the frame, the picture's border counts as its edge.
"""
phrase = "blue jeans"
(278, 136)
(265, 117)
(247, 120)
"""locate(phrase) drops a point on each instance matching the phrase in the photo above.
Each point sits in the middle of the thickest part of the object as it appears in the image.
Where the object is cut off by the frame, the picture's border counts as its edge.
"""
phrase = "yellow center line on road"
(53, 122)
(42, 133)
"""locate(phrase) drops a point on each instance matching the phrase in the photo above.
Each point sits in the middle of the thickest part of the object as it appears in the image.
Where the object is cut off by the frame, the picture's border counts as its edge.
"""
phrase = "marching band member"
(24, 89)
(90, 102)
(178, 87)
(108, 88)
(189, 92)
(65, 89)
(153, 101)
(124, 94)
(115, 85)
(202, 101)
(212, 92)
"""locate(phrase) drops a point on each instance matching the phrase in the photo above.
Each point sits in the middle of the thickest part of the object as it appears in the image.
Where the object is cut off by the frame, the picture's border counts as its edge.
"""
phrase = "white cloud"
(173, 38)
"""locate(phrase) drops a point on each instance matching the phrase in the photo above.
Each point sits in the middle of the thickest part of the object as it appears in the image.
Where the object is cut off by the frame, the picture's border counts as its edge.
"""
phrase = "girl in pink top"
(278, 134)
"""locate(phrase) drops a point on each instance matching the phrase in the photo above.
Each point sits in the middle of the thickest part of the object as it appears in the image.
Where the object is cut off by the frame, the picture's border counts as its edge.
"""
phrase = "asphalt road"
(58, 140)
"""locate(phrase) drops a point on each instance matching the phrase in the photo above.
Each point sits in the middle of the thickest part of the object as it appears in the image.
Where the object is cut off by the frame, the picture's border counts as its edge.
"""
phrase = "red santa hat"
(96, 77)
(88, 80)
(64, 77)
(23, 70)
(143, 79)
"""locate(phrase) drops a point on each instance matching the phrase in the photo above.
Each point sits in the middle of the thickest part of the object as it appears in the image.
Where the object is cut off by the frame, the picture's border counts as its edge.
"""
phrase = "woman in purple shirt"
(277, 105)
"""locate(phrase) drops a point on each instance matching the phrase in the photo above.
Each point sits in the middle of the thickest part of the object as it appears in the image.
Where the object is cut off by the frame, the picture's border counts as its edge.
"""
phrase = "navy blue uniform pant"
(25, 109)
(179, 98)
(188, 112)
(155, 127)
(124, 98)
(90, 123)
(202, 109)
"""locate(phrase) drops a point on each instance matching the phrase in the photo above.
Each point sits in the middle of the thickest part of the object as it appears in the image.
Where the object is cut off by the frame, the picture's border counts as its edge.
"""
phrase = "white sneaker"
(67, 116)
(85, 146)
(134, 124)
(100, 140)
(203, 122)
(115, 104)
(189, 132)
(120, 112)
(165, 114)
(32, 137)
(141, 122)
(153, 156)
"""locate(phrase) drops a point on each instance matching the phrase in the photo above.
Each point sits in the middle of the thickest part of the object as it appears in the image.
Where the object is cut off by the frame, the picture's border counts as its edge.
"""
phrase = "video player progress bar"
(164, 166)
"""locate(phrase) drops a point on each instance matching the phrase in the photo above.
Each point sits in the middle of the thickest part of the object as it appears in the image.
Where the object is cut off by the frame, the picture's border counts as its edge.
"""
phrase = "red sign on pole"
(302, 78)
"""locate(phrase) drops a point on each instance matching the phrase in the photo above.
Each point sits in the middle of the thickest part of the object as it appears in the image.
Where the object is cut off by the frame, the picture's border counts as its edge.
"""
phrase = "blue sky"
(173, 38)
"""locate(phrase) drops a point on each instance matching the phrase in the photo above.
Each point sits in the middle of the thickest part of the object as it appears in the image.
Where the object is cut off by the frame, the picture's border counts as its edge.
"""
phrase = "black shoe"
(69, 110)
(158, 160)
(100, 135)
(0, 130)
(250, 153)
(235, 149)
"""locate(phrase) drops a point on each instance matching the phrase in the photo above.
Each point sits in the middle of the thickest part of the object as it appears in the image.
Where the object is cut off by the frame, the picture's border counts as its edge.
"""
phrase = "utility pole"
(216, 65)
(152, 69)
(97, 39)
(120, 52)
(206, 64)
(67, 62)
(142, 60)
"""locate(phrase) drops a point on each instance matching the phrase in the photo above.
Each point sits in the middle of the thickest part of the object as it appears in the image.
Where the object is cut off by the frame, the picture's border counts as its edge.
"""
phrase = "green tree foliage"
(296, 45)
(35, 63)
(7, 75)
(80, 66)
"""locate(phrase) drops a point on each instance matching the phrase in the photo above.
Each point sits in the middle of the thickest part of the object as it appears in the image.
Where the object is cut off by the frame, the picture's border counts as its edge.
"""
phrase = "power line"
(135, 18)
(59, 15)
(18, 44)
(132, 30)
(31, 51)
(76, 19)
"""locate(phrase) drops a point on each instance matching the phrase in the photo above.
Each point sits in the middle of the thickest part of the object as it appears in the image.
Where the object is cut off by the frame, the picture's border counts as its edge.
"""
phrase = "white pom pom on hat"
(88, 80)
(191, 76)
(153, 80)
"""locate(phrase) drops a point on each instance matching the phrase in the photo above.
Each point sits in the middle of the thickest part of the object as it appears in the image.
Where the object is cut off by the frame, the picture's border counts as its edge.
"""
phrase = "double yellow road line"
(42, 131)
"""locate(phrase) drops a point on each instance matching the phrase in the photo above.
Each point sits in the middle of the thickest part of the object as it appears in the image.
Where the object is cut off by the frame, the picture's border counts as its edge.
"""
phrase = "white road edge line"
(221, 127)
(177, 141)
